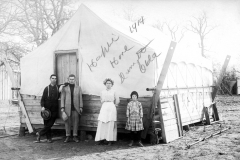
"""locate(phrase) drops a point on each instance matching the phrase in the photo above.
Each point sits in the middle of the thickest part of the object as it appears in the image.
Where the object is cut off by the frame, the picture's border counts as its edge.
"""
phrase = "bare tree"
(40, 19)
(13, 51)
(173, 28)
(7, 17)
(200, 26)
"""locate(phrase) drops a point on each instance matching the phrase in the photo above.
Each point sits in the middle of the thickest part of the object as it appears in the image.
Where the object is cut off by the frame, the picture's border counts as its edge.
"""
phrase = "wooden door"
(66, 64)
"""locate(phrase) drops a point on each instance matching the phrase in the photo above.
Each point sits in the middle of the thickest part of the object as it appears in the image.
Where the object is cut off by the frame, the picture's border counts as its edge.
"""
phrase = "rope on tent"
(178, 92)
(188, 94)
(196, 92)
(203, 96)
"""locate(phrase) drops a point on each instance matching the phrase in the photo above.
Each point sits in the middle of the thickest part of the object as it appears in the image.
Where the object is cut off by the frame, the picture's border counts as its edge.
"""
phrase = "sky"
(224, 14)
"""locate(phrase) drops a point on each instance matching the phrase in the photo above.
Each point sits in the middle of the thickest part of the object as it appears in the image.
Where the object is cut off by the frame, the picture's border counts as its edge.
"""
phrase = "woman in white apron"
(107, 119)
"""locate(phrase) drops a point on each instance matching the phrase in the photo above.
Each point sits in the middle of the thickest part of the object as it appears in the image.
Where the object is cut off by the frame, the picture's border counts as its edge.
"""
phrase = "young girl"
(134, 119)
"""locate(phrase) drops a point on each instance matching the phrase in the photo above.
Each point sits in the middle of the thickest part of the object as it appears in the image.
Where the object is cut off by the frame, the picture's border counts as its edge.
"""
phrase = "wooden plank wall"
(91, 109)
(190, 102)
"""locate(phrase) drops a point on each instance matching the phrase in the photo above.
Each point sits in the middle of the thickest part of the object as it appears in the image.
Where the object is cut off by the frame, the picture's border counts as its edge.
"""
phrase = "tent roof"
(87, 33)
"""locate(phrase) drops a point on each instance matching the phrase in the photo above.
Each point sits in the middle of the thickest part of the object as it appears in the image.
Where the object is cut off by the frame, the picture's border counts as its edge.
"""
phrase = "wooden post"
(219, 81)
(215, 112)
(178, 115)
(162, 124)
(205, 110)
(159, 86)
(21, 131)
(186, 128)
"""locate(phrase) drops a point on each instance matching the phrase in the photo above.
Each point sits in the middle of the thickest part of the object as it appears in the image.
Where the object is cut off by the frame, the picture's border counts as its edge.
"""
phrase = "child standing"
(134, 119)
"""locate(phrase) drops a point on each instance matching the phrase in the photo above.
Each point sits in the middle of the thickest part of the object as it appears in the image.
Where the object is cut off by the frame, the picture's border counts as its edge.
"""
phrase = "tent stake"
(211, 135)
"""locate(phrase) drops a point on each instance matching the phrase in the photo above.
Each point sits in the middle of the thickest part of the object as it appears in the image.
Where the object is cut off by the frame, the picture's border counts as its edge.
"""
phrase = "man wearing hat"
(49, 111)
(71, 104)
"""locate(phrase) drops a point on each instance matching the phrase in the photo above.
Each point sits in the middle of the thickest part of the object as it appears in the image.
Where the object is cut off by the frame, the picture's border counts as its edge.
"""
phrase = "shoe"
(38, 138)
(75, 139)
(49, 141)
(130, 144)
(100, 142)
(140, 144)
(67, 139)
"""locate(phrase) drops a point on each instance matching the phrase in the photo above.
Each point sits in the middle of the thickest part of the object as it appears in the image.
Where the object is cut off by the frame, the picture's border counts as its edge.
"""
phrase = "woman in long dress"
(107, 119)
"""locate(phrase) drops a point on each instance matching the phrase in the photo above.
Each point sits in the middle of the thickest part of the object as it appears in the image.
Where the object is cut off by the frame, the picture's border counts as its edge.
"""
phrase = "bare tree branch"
(40, 19)
(173, 28)
(199, 25)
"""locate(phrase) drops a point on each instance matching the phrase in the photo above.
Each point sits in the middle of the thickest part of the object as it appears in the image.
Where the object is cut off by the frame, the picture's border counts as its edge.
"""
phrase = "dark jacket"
(50, 99)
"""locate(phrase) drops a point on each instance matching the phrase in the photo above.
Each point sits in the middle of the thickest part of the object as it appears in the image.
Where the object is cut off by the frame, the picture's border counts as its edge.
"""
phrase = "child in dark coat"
(134, 119)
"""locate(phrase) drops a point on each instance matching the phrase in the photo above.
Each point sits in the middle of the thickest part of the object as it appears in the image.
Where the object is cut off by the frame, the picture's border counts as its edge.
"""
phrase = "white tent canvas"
(104, 52)
(106, 48)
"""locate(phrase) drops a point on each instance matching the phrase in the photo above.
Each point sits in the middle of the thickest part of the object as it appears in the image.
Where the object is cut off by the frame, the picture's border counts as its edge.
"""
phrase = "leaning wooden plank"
(27, 120)
(178, 114)
(219, 81)
(160, 82)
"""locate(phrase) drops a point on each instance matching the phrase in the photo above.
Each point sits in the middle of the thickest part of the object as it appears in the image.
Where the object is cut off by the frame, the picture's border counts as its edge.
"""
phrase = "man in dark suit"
(49, 101)
(71, 104)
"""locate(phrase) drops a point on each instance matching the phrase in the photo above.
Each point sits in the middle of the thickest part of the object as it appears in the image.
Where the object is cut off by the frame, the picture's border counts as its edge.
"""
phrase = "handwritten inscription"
(122, 77)
(104, 50)
(142, 50)
(134, 26)
(142, 66)
(115, 62)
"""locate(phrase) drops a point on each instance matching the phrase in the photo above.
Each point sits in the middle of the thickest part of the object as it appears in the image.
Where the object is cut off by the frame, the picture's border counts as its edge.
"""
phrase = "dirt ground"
(222, 146)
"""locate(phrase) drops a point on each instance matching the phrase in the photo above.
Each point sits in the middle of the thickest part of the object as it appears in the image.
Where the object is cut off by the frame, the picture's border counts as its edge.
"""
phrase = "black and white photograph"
(120, 79)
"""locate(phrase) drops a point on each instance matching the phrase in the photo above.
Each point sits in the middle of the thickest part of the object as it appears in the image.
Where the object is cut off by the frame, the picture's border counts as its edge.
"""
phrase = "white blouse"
(109, 96)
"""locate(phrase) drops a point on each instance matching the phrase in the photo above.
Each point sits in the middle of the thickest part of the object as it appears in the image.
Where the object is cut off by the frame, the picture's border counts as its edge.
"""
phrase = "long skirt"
(107, 125)
(106, 131)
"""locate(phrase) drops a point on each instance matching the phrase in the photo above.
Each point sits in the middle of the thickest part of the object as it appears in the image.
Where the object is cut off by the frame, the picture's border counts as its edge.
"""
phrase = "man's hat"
(46, 114)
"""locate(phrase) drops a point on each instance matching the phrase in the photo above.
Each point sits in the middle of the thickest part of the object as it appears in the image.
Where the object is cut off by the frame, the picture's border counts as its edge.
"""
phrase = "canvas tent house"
(95, 48)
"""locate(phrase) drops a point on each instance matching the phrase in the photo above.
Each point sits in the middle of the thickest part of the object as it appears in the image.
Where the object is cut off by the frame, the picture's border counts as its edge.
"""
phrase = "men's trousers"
(73, 120)
(47, 127)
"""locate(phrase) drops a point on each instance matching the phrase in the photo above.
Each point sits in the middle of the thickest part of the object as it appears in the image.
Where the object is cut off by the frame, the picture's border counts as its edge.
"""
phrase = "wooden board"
(171, 123)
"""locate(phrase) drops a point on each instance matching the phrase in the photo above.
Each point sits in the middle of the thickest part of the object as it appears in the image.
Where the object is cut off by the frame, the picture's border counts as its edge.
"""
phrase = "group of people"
(72, 106)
